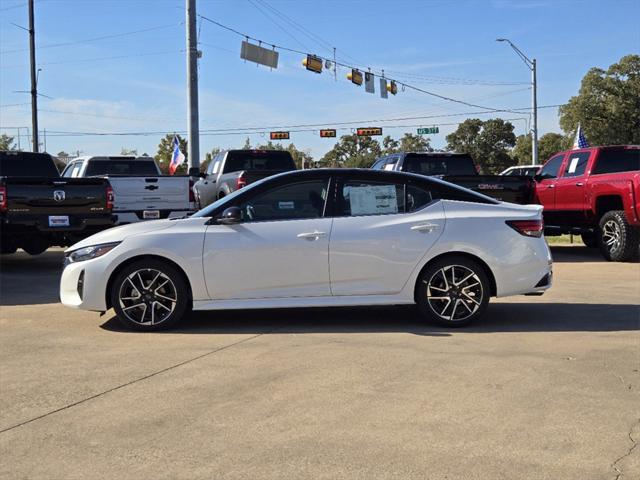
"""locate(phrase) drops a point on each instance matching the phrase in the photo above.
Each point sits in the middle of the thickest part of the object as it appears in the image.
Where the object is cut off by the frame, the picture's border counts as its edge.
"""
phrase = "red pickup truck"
(594, 192)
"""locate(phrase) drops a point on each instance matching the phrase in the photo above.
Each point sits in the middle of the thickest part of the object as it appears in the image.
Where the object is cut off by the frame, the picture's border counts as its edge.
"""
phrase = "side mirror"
(230, 216)
(202, 175)
(538, 177)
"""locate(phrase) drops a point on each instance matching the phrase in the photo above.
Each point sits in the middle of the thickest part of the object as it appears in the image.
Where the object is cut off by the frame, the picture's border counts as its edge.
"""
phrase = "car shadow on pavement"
(30, 280)
(575, 254)
(500, 317)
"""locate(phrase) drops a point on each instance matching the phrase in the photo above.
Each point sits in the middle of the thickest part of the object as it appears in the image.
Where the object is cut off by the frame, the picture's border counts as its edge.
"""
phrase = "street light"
(534, 100)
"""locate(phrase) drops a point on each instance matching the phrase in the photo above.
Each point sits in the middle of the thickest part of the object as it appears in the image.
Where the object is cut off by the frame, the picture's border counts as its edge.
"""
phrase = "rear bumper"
(132, 216)
(18, 229)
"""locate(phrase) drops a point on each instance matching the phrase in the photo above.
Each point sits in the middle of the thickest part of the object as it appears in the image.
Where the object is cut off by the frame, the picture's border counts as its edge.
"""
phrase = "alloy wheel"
(611, 235)
(454, 293)
(147, 297)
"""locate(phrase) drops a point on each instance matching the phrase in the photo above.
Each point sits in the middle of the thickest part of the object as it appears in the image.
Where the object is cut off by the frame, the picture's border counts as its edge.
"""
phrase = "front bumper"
(83, 285)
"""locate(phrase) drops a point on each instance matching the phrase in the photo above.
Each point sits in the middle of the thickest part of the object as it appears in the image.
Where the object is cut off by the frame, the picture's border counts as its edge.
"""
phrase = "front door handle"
(579, 184)
(551, 186)
(312, 235)
(425, 227)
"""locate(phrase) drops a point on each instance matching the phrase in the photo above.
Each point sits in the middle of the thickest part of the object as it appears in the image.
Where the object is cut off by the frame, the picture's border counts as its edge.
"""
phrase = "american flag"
(581, 140)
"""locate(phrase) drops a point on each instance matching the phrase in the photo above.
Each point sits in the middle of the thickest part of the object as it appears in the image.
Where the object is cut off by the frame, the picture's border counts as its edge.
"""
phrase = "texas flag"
(177, 157)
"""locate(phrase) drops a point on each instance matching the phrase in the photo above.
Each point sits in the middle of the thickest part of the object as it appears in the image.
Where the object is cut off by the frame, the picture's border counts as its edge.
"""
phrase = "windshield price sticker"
(373, 200)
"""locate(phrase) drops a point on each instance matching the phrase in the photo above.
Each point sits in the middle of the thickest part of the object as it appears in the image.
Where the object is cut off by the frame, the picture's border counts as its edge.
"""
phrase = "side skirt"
(297, 302)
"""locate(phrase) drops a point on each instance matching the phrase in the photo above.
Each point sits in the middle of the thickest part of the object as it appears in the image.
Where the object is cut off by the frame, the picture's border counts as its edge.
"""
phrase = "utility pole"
(534, 98)
(34, 80)
(192, 90)
(534, 127)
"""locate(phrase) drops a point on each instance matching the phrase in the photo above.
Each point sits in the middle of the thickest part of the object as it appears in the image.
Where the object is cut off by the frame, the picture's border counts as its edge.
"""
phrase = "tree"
(389, 145)
(62, 154)
(352, 151)
(247, 144)
(607, 106)
(129, 151)
(299, 156)
(6, 142)
(165, 152)
(548, 144)
(408, 143)
(488, 142)
(208, 157)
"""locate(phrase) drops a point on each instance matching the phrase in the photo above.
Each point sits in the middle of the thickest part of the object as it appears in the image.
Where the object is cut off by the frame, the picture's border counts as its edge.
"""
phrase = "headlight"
(87, 253)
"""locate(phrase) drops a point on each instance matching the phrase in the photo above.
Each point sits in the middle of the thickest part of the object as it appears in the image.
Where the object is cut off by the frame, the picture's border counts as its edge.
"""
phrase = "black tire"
(155, 312)
(590, 239)
(35, 247)
(459, 304)
(618, 241)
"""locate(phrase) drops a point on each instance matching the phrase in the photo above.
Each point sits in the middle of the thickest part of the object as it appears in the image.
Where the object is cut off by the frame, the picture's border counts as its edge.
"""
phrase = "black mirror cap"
(230, 216)
(202, 175)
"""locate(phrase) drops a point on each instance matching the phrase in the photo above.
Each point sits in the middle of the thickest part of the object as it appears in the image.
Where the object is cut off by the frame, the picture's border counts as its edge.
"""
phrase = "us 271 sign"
(428, 130)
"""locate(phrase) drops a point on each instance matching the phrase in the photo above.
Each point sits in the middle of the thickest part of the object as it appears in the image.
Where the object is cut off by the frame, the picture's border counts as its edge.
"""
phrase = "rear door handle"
(425, 227)
(312, 235)
(579, 184)
(551, 186)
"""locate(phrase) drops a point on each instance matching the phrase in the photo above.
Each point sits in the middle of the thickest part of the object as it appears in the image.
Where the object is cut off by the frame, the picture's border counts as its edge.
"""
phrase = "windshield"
(116, 166)
(434, 164)
(207, 211)
(258, 160)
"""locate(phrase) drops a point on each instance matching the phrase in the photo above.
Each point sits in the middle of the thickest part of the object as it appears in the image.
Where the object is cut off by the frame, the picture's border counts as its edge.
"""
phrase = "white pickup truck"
(141, 191)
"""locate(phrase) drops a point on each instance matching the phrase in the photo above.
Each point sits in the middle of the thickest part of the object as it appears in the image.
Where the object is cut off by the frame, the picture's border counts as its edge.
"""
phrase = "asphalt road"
(544, 387)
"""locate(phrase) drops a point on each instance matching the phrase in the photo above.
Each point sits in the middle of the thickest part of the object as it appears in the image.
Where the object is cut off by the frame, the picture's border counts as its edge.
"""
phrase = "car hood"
(118, 234)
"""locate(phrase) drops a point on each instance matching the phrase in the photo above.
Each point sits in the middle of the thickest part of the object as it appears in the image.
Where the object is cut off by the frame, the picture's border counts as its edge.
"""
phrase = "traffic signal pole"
(193, 148)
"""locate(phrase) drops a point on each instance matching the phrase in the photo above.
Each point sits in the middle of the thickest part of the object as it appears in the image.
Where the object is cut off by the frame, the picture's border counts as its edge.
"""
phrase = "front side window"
(358, 198)
(295, 201)
(577, 164)
(552, 167)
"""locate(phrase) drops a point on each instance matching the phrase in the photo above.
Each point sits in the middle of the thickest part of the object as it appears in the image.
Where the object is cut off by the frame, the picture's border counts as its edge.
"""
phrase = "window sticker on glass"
(286, 205)
(573, 164)
(389, 166)
(373, 200)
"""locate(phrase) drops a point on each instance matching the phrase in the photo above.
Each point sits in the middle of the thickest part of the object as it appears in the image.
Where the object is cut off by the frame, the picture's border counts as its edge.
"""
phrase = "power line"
(266, 15)
(344, 65)
(96, 39)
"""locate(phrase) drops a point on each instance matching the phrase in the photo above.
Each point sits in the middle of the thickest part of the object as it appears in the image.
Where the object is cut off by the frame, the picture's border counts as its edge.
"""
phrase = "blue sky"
(135, 82)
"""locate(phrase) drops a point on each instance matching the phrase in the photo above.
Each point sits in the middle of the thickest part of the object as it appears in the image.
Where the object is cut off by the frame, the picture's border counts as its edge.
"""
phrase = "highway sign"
(428, 130)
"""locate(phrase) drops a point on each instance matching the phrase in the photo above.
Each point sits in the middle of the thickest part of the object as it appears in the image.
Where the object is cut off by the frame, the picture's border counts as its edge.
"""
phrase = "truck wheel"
(35, 247)
(618, 241)
(150, 295)
(590, 239)
(453, 291)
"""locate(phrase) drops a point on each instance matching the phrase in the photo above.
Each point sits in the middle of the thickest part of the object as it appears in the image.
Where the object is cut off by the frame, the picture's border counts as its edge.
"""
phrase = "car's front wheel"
(453, 291)
(150, 295)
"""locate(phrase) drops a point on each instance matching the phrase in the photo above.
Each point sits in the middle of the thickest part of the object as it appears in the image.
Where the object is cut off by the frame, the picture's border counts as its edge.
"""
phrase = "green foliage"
(548, 144)
(488, 142)
(408, 143)
(299, 156)
(608, 105)
(129, 152)
(165, 151)
(352, 151)
(6, 142)
(208, 157)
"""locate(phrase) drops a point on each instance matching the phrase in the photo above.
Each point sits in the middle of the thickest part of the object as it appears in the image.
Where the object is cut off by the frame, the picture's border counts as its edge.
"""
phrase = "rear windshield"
(613, 161)
(439, 164)
(121, 167)
(25, 164)
(264, 160)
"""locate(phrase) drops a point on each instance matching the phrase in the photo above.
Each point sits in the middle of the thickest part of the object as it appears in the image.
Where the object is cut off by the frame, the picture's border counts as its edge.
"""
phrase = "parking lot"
(543, 387)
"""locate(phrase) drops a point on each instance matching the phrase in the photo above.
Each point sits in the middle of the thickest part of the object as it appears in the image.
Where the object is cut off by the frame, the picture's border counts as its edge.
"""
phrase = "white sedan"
(317, 238)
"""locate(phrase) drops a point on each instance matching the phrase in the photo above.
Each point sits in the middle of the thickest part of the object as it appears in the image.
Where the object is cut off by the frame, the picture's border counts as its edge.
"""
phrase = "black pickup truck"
(460, 169)
(39, 209)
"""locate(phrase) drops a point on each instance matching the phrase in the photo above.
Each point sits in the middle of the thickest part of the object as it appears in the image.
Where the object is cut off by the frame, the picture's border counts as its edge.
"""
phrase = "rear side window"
(264, 160)
(121, 167)
(552, 167)
(359, 198)
(577, 164)
(614, 161)
(417, 198)
(434, 164)
(26, 164)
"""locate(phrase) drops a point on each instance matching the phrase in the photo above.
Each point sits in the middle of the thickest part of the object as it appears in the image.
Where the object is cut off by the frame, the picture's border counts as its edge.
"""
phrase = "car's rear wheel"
(453, 291)
(150, 295)
(35, 246)
(618, 240)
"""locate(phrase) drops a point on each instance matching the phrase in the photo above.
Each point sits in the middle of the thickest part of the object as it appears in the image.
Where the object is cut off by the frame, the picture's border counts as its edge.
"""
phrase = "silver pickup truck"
(234, 169)
(141, 191)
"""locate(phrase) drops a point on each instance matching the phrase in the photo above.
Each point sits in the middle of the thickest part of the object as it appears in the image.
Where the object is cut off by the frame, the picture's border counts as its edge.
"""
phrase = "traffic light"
(279, 135)
(328, 133)
(392, 87)
(368, 132)
(313, 63)
(355, 76)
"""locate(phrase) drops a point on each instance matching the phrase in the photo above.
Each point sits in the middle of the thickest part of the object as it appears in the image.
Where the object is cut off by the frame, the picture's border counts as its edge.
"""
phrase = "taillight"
(241, 181)
(192, 195)
(528, 228)
(3, 199)
(110, 198)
